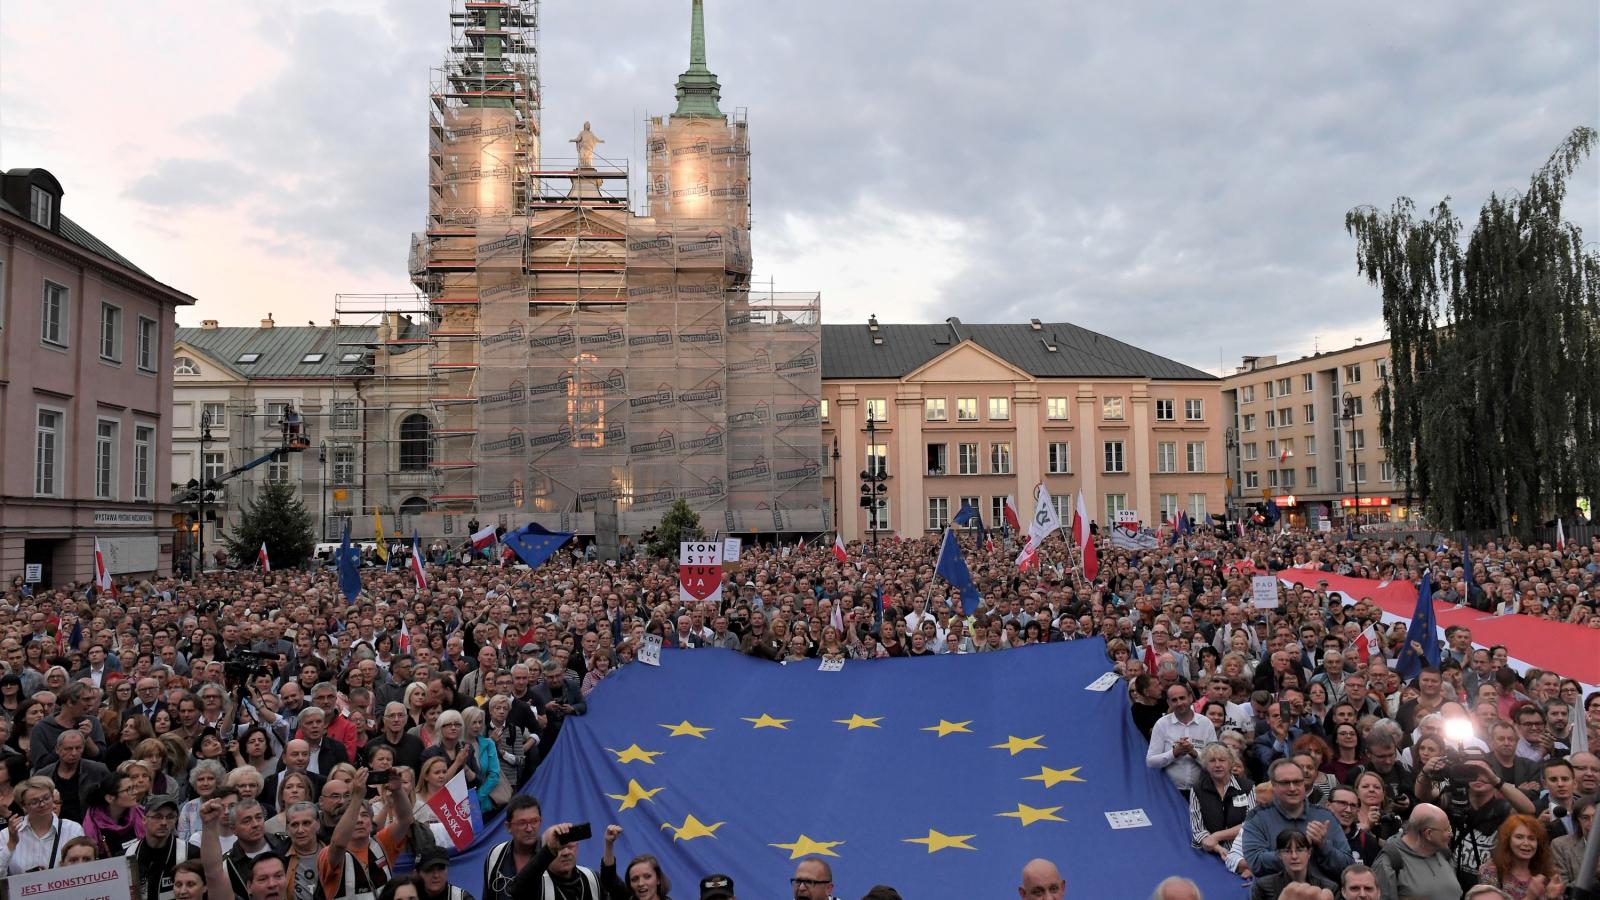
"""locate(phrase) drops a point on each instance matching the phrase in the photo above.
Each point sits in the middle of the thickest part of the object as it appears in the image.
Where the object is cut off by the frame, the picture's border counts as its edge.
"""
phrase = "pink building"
(85, 389)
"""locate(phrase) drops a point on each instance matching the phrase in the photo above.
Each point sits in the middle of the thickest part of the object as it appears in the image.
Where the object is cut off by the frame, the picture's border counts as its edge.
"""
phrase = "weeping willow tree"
(1492, 411)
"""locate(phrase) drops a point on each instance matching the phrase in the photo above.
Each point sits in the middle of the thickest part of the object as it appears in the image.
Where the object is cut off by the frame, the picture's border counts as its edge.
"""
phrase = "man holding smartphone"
(555, 873)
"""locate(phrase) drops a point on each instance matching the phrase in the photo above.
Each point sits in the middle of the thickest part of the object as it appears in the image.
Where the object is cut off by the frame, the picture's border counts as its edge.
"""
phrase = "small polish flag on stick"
(838, 548)
(261, 557)
(483, 537)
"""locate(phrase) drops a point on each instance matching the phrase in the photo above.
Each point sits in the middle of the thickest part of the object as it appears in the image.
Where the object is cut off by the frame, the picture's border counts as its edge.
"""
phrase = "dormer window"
(41, 206)
(311, 358)
(351, 357)
(246, 359)
(183, 365)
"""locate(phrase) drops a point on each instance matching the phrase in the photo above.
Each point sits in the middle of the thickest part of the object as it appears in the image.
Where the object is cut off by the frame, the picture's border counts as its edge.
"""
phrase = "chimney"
(334, 322)
(208, 324)
(267, 322)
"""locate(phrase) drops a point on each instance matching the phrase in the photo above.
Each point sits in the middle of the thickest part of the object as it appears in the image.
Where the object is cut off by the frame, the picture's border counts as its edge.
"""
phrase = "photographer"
(1478, 802)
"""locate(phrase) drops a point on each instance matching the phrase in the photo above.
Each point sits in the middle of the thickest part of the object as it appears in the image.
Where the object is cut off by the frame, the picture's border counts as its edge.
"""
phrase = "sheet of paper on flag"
(1264, 591)
(650, 650)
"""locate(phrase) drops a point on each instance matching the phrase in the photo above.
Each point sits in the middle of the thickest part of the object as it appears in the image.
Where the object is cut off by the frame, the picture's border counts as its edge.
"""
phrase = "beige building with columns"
(977, 413)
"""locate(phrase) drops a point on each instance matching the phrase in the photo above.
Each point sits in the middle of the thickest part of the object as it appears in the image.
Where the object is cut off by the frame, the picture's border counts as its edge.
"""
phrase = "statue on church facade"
(586, 141)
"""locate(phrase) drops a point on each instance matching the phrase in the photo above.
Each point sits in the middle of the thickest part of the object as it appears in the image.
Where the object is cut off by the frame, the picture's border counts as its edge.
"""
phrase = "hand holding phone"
(579, 832)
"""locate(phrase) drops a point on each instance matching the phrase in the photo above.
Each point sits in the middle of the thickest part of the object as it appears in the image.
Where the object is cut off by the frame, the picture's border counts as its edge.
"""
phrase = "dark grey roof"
(848, 351)
(282, 347)
(79, 235)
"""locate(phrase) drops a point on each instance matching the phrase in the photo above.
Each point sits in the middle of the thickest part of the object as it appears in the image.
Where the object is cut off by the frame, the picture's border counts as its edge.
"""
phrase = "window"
(1288, 478)
(105, 459)
(1060, 458)
(877, 410)
(933, 409)
(1252, 480)
(2, 294)
(1272, 478)
(144, 438)
(1114, 459)
(1358, 439)
(217, 414)
(1247, 394)
(1169, 507)
(1308, 413)
(1356, 407)
(1056, 408)
(1272, 390)
(110, 333)
(878, 459)
(1306, 383)
(1250, 451)
(1383, 370)
(1352, 374)
(967, 459)
(213, 466)
(975, 502)
(145, 351)
(1000, 458)
(310, 358)
(275, 411)
(878, 517)
(278, 471)
(53, 319)
(1386, 471)
(938, 459)
(1360, 472)
(1286, 417)
(1272, 418)
(822, 408)
(1164, 411)
(1250, 422)
(1311, 476)
(344, 465)
(1311, 445)
(1194, 410)
(1115, 503)
(1167, 457)
(344, 414)
(1195, 456)
(1111, 409)
(1197, 508)
(246, 359)
(353, 356)
(47, 453)
(966, 409)
(41, 206)
(1272, 449)
(1064, 509)
(997, 513)
(1284, 386)
(999, 409)
(183, 365)
(416, 443)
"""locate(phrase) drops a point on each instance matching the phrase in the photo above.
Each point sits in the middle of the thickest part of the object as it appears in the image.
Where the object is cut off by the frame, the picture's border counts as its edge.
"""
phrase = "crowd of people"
(254, 732)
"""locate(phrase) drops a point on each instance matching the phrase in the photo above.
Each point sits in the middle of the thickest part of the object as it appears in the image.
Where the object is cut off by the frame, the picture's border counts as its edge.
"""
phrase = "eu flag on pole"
(952, 567)
(533, 543)
(1423, 631)
(349, 568)
(687, 772)
(1466, 566)
(964, 515)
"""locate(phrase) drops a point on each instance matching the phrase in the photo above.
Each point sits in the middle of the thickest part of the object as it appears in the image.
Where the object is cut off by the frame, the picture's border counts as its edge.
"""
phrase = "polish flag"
(1028, 557)
(405, 638)
(1150, 658)
(1085, 540)
(417, 567)
(1009, 511)
(483, 538)
(457, 809)
(838, 548)
(1367, 643)
(102, 575)
(1284, 455)
(1561, 536)
(261, 557)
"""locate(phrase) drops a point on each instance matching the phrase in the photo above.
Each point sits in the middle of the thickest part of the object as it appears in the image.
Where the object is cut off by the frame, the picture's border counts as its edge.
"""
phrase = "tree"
(680, 523)
(1491, 413)
(278, 519)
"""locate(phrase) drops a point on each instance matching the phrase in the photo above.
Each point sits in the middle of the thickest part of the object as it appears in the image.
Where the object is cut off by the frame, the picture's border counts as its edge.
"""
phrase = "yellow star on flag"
(691, 828)
(1017, 745)
(767, 721)
(635, 754)
(1052, 777)
(1030, 814)
(804, 846)
(945, 728)
(857, 720)
(636, 792)
(936, 841)
(684, 729)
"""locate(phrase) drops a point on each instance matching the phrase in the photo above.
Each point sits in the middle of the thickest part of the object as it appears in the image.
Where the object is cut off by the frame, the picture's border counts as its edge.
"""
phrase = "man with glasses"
(813, 879)
(524, 820)
(1257, 843)
(1177, 739)
(1416, 863)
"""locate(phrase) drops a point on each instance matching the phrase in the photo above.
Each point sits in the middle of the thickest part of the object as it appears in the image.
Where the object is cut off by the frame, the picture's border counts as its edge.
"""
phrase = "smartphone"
(579, 832)
(396, 777)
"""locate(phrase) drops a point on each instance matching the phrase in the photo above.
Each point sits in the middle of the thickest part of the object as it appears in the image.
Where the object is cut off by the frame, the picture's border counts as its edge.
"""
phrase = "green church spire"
(698, 89)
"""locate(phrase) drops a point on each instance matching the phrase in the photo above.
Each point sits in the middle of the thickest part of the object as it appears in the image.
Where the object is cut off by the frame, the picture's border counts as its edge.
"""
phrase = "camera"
(1459, 772)
(242, 665)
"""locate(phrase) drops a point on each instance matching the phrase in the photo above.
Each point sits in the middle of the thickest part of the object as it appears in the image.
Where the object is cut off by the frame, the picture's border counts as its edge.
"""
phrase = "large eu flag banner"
(941, 776)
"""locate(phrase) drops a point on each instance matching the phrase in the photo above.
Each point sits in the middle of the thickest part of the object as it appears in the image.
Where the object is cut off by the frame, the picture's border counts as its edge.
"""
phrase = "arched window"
(183, 365)
(416, 443)
(414, 506)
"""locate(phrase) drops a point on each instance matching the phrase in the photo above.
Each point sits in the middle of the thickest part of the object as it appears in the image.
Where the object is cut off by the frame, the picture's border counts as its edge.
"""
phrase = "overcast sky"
(1171, 174)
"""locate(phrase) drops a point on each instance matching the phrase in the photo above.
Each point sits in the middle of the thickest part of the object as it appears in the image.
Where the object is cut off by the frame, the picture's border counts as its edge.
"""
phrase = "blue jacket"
(1259, 838)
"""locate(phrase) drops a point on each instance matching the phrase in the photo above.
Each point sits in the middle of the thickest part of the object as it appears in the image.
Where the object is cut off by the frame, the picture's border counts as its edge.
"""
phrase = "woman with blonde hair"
(293, 787)
(488, 759)
(39, 831)
(433, 776)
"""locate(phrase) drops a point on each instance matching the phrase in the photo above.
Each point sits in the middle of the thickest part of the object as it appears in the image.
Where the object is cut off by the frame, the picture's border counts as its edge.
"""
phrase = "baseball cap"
(716, 886)
(432, 856)
(156, 801)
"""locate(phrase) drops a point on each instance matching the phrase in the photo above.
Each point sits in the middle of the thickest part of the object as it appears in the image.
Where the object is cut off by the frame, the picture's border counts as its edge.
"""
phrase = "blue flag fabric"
(533, 543)
(1423, 631)
(964, 515)
(1466, 566)
(952, 567)
(349, 567)
(687, 772)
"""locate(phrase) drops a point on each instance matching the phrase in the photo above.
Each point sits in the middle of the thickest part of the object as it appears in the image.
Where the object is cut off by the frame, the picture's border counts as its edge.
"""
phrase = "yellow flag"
(377, 527)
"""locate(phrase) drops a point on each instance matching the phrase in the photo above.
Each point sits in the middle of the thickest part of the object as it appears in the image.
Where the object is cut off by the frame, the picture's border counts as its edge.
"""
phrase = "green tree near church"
(680, 523)
(1492, 411)
(277, 518)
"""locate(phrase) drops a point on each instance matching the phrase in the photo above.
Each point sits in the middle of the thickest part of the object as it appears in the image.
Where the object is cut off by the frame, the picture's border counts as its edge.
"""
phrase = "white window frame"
(41, 206)
(822, 408)
(997, 515)
(147, 341)
(1111, 409)
(1311, 445)
(105, 457)
(1001, 462)
(110, 332)
(876, 410)
(1057, 409)
(1358, 439)
(1310, 414)
(1115, 503)
(1272, 418)
(966, 409)
(47, 462)
(1307, 383)
(1169, 507)
(999, 409)
(344, 465)
(1352, 373)
(1166, 457)
(1287, 481)
(1058, 458)
(1194, 410)
(969, 458)
(944, 458)
(1064, 509)
(219, 421)
(278, 471)
(213, 465)
(1194, 456)
(1248, 423)
(1272, 478)
(1360, 470)
(344, 415)
(877, 458)
(1198, 508)
(1285, 386)
(1386, 471)
(1252, 480)
(144, 448)
(878, 518)
(1114, 457)
(934, 409)
(1311, 476)
(61, 307)
(184, 365)
(1164, 410)
(1251, 452)
(1286, 417)
(1247, 394)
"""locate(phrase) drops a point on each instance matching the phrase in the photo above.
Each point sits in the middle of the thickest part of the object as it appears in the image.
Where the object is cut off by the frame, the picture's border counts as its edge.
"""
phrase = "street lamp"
(322, 460)
(1349, 418)
(200, 498)
(873, 477)
(1230, 442)
(836, 521)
